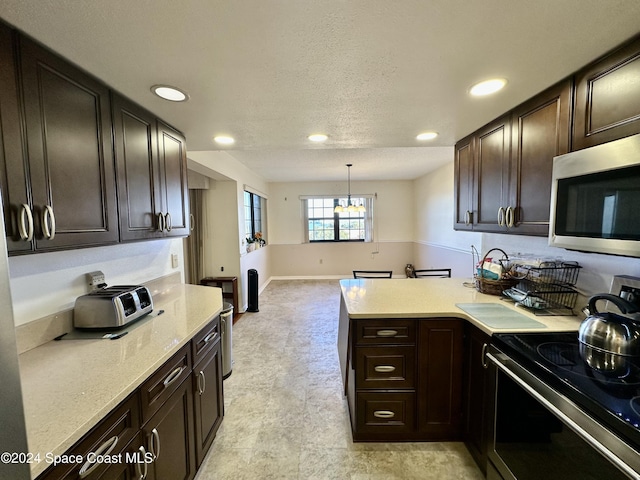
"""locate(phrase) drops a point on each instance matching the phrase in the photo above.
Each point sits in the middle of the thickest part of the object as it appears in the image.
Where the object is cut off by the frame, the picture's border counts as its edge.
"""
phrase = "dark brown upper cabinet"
(152, 174)
(540, 131)
(14, 185)
(493, 145)
(463, 186)
(172, 155)
(503, 171)
(608, 98)
(136, 148)
(67, 119)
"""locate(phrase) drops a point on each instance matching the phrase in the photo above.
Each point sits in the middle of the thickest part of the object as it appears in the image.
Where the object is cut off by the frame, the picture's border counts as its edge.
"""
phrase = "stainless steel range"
(555, 416)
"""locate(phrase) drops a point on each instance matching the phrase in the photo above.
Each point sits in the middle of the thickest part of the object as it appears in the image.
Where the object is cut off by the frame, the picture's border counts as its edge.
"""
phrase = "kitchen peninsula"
(71, 387)
(405, 346)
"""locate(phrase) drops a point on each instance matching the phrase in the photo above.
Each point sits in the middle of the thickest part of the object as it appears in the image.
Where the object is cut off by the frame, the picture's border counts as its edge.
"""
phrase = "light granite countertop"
(435, 297)
(68, 386)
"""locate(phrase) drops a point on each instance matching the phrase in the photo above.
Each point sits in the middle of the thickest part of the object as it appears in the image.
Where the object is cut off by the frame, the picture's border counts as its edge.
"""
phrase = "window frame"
(254, 209)
(366, 217)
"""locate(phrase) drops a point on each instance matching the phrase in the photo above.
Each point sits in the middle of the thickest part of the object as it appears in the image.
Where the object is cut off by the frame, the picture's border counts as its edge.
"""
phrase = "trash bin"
(226, 321)
(252, 304)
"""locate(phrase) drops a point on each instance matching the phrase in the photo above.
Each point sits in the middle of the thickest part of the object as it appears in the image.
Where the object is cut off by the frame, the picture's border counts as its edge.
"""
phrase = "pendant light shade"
(349, 207)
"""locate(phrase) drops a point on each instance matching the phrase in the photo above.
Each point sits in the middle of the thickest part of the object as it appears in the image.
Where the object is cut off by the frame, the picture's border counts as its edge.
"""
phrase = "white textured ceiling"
(369, 73)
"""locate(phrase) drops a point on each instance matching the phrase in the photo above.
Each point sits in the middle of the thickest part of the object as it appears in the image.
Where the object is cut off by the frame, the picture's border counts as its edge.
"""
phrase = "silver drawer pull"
(384, 414)
(173, 376)
(210, 337)
(160, 222)
(167, 222)
(142, 473)
(384, 368)
(105, 449)
(387, 333)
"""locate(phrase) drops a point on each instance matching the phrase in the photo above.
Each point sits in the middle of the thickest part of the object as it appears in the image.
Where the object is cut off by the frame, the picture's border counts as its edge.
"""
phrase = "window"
(322, 224)
(253, 217)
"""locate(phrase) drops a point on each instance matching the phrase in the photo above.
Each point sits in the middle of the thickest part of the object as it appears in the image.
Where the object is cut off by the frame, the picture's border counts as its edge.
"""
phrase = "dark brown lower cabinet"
(164, 429)
(169, 437)
(404, 379)
(208, 401)
(476, 394)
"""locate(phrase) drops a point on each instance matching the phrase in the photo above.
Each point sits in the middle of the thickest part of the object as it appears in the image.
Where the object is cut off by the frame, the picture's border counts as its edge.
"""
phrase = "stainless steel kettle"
(609, 332)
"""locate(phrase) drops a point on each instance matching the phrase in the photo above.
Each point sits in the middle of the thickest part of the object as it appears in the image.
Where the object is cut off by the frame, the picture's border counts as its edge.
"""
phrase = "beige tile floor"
(285, 413)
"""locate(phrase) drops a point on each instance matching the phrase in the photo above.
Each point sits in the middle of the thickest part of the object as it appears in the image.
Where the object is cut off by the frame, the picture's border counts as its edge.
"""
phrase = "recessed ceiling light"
(487, 87)
(224, 140)
(427, 136)
(170, 93)
(318, 137)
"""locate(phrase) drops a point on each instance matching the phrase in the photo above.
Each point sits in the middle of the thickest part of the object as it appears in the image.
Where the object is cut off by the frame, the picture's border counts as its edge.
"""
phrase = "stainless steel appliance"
(594, 199)
(112, 307)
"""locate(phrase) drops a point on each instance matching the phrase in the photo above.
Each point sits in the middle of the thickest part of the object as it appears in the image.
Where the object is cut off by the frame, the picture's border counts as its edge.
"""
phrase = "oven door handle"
(586, 436)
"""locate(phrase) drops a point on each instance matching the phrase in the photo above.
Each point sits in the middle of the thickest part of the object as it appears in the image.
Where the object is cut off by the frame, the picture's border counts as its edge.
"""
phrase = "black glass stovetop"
(610, 394)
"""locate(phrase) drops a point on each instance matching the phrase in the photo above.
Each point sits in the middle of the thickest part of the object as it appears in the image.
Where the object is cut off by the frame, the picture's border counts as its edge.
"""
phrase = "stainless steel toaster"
(112, 307)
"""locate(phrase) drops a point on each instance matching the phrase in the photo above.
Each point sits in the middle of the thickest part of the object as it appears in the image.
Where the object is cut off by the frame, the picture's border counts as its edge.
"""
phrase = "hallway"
(285, 413)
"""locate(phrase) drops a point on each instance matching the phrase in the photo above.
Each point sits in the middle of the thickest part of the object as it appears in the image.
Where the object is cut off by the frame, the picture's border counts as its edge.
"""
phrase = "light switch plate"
(174, 260)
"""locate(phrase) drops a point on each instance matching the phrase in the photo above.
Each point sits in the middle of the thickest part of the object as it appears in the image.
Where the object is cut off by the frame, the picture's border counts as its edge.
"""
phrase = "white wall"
(225, 214)
(393, 231)
(46, 283)
(437, 244)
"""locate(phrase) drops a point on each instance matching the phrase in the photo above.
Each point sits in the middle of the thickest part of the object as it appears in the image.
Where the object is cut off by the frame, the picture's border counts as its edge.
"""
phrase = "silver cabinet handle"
(173, 376)
(105, 449)
(25, 228)
(167, 221)
(204, 382)
(384, 368)
(511, 217)
(483, 355)
(383, 414)
(160, 222)
(467, 217)
(142, 474)
(48, 222)
(192, 222)
(154, 446)
(501, 216)
(210, 337)
(387, 333)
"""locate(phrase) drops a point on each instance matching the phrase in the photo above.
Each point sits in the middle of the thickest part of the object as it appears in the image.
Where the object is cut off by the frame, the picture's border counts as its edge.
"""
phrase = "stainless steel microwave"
(595, 199)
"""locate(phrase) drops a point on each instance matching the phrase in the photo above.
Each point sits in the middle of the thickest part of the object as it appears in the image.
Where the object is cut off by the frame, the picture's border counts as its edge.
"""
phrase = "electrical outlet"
(174, 260)
(96, 280)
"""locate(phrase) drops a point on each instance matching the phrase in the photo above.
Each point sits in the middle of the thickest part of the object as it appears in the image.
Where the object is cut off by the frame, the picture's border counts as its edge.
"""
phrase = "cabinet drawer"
(380, 412)
(381, 332)
(385, 367)
(109, 437)
(159, 387)
(204, 340)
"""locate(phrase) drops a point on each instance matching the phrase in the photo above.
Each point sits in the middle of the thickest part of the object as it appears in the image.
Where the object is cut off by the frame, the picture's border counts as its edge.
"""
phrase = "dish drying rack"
(546, 288)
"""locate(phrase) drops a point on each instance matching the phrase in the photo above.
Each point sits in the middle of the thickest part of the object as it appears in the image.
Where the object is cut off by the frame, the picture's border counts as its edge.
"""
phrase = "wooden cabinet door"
(440, 362)
(208, 401)
(169, 437)
(540, 131)
(172, 154)
(139, 188)
(475, 395)
(13, 179)
(71, 166)
(463, 184)
(608, 98)
(492, 174)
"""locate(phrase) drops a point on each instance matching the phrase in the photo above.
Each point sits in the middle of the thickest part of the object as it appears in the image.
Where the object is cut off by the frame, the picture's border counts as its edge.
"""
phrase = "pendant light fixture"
(349, 207)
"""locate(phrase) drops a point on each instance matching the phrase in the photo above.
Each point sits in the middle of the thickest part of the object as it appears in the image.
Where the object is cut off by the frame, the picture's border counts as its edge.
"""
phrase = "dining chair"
(372, 273)
(433, 272)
